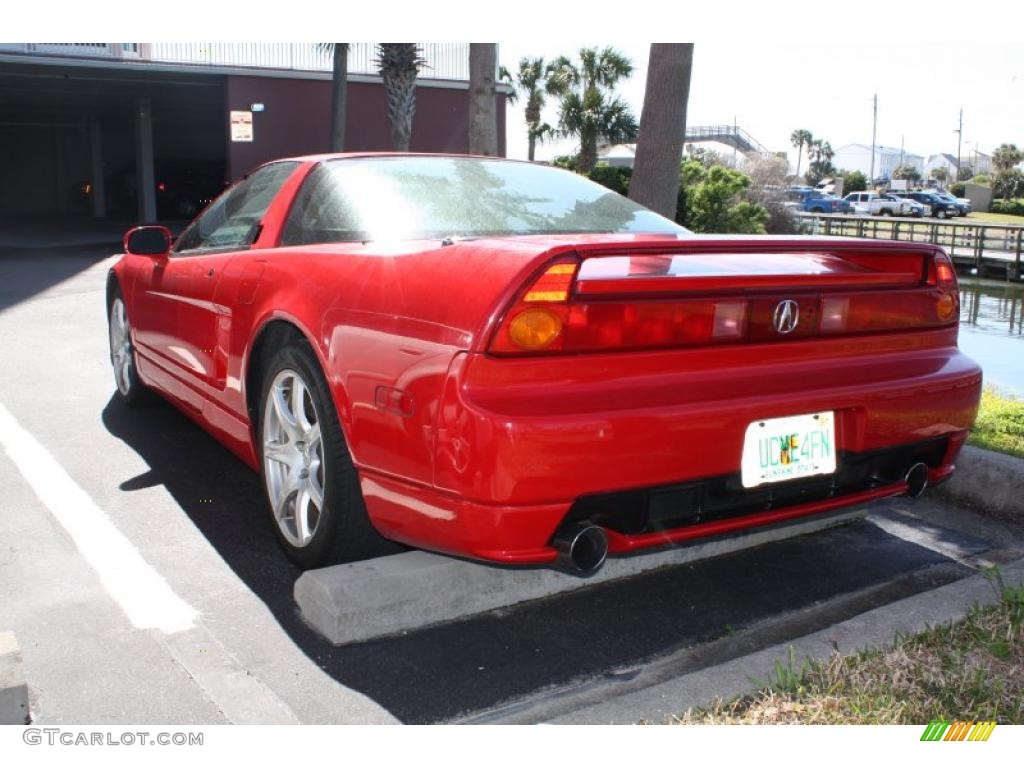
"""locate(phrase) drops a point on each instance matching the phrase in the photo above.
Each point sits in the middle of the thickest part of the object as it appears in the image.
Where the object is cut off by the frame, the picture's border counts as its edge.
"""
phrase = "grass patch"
(983, 217)
(971, 669)
(1000, 424)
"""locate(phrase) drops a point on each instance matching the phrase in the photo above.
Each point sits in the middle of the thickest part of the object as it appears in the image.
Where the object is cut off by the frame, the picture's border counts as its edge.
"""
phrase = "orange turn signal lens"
(535, 328)
(946, 307)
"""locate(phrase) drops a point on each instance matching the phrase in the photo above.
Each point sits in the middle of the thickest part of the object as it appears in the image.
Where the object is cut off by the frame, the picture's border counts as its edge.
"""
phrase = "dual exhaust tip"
(583, 547)
(916, 479)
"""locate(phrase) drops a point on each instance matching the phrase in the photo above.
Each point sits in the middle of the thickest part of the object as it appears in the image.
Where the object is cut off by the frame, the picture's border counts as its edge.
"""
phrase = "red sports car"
(508, 362)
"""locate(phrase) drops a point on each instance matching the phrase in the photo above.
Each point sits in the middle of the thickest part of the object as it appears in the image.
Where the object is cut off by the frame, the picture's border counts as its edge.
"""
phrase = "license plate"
(776, 450)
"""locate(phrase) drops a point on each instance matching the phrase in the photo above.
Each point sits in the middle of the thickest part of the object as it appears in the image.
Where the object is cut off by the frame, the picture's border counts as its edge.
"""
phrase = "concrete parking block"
(13, 689)
(988, 481)
(389, 595)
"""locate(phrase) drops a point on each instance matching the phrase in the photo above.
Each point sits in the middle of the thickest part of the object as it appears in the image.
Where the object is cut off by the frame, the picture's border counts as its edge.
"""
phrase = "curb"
(873, 629)
(989, 481)
(13, 689)
(389, 595)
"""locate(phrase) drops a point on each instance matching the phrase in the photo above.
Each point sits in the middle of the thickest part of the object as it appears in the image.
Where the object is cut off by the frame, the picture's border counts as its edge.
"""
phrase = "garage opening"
(80, 143)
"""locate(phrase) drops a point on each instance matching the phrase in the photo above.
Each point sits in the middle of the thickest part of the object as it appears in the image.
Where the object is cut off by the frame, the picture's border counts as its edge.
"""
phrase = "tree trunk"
(532, 124)
(588, 152)
(339, 97)
(401, 92)
(483, 110)
(799, 158)
(659, 149)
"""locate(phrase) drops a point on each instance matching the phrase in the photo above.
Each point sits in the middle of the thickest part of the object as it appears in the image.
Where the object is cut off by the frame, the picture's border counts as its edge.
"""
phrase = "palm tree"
(820, 154)
(399, 63)
(799, 138)
(483, 111)
(659, 149)
(529, 82)
(339, 92)
(1006, 156)
(588, 107)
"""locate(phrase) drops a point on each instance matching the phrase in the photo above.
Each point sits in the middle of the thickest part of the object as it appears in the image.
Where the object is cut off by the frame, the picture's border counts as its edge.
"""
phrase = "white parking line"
(141, 592)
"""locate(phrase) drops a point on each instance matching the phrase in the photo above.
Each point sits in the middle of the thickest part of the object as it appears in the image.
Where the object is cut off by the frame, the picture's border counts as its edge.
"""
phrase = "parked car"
(813, 201)
(917, 210)
(963, 205)
(876, 204)
(508, 362)
(941, 209)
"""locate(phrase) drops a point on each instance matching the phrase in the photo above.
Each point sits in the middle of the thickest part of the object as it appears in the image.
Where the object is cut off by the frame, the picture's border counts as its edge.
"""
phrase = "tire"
(885, 212)
(309, 482)
(817, 210)
(130, 389)
(940, 214)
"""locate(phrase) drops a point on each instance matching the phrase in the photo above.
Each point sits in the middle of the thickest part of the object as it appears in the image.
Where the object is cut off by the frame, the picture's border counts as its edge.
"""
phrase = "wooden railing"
(984, 248)
(444, 61)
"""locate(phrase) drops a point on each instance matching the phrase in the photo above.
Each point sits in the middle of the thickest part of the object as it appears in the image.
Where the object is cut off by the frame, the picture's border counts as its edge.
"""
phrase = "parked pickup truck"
(874, 204)
(814, 201)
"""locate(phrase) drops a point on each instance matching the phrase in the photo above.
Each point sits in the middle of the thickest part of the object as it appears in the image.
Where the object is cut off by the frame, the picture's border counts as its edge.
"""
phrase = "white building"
(979, 162)
(945, 161)
(857, 157)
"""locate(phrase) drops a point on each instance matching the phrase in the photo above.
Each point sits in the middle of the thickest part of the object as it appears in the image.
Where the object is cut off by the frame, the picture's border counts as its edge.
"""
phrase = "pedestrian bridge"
(730, 135)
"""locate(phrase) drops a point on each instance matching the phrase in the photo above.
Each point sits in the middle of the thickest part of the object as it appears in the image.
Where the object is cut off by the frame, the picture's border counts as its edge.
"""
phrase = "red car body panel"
(466, 452)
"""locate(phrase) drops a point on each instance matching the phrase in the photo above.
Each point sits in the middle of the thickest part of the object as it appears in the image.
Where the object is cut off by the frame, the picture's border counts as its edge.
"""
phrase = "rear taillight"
(942, 275)
(621, 304)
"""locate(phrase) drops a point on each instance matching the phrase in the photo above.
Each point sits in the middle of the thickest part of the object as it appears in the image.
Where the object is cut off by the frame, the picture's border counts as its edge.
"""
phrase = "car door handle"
(210, 273)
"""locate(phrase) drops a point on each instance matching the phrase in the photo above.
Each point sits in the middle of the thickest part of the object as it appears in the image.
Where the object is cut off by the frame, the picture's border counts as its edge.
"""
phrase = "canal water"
(992, 331)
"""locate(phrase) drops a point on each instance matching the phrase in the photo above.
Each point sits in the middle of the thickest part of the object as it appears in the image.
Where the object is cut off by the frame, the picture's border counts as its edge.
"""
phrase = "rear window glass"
(415, 198)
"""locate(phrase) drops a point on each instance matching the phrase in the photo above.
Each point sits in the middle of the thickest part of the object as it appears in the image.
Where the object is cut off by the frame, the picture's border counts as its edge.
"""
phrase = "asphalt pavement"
(192, 516)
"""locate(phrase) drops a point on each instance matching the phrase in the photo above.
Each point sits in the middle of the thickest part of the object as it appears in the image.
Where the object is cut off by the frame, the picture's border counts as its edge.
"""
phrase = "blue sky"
(774, 88)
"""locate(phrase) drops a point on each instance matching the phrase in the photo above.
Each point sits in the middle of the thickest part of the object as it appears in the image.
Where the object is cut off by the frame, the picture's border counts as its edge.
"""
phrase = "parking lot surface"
(191, 517)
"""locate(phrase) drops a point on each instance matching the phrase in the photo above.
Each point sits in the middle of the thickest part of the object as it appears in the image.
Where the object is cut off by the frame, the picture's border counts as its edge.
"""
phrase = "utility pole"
(735, 138)
(874, 132)
(901, 149)
(959, 140)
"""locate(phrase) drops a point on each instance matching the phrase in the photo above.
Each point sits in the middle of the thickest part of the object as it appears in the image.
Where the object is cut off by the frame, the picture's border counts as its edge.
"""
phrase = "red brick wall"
(296, 119)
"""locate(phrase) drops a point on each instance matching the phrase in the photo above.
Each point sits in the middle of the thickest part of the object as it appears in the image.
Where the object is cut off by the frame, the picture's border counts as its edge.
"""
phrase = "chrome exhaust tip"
(582, 548)
(917, 480)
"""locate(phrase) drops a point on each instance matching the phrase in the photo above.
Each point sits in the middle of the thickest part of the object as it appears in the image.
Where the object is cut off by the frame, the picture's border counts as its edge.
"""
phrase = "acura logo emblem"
(786, 316)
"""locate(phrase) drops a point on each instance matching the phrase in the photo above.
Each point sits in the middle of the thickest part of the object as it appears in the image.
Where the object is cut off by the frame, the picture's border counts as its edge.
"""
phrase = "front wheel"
(311, 485)
(940, 214)
(122, 354)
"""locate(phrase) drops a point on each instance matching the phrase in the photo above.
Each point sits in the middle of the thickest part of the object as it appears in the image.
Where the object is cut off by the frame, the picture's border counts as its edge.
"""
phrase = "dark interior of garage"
(59, 126)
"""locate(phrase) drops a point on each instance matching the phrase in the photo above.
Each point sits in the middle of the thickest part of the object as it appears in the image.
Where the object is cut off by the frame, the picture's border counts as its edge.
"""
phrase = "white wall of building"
(857, 157)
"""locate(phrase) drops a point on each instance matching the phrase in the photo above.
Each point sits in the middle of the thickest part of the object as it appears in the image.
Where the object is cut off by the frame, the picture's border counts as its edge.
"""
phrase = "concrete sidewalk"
(609, 703)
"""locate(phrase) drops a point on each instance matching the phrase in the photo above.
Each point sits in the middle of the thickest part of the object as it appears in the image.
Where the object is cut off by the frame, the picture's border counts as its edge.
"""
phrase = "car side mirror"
(151, 240)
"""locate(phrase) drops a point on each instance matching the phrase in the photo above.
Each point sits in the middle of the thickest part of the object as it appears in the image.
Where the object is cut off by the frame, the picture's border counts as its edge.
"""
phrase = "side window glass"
(234, 218)
(319, 213)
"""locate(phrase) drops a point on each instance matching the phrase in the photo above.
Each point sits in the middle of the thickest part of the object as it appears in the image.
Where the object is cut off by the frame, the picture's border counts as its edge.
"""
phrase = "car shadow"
(450, 671)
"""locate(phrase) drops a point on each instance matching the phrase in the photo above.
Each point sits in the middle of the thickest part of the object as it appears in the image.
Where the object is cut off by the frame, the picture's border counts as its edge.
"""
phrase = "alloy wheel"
(121, 346)
(293, 461)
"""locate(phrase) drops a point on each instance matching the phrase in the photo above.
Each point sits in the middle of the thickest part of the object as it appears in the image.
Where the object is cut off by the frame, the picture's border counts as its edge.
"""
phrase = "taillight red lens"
(620, 305)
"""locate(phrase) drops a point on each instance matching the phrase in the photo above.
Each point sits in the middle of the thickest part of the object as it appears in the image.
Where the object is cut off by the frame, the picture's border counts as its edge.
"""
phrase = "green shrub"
(1011, 207)
(854, 181)
(616, 179)
(568, 162)
(710, 201)
(958, 189)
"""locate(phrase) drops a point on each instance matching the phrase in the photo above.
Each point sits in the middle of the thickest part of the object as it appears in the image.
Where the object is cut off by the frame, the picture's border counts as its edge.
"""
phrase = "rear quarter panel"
(385, 322)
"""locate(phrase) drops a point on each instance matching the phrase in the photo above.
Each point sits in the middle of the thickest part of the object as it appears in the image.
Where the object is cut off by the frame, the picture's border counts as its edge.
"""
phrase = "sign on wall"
(241, 125)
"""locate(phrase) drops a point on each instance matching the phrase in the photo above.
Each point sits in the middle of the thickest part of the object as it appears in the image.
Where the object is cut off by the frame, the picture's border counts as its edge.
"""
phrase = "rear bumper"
(522, 444)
